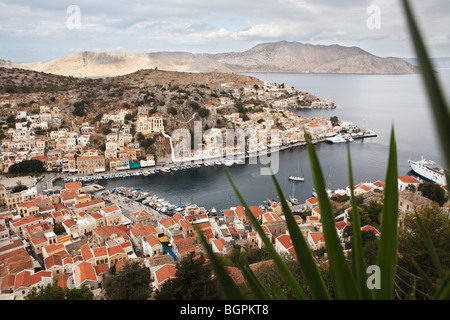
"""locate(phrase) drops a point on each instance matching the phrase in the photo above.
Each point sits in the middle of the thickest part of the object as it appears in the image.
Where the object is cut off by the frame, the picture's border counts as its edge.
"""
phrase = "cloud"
(37, 30)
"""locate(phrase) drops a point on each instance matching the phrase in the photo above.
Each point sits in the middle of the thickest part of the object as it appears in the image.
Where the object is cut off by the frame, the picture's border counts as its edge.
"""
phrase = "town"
(75, 236)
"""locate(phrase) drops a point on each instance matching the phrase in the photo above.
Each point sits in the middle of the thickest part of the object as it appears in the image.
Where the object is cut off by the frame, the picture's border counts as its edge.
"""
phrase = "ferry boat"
(429, 170)
(339, 139)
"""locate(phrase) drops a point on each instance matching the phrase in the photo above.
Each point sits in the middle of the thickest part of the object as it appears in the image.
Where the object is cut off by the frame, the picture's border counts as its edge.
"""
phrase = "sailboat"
(327, 189)
(292, 199)
(297, 177)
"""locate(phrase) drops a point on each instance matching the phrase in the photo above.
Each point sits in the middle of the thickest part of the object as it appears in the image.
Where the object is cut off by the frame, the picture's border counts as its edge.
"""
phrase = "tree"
(413, 250)
(131, 283)
(84, 293)
(106, 130)
(192, 282)
(172, 110)
(19, 187)
(27, 166)
(334, 120)
(194, 105)
(433, 192)
(203, 112)
(79, 108)
(58, 293)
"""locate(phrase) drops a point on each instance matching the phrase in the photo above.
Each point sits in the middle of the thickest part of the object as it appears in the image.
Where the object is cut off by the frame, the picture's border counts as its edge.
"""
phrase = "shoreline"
(176, 166)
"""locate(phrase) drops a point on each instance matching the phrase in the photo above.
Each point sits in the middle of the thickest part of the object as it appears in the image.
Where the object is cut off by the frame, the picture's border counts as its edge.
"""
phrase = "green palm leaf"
(290, 279)
(344, 283)
(358, 262)
(387, 249)
(304, 254)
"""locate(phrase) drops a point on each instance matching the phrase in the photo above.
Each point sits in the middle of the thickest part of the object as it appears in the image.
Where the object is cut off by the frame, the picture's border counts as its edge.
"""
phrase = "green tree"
(58, 293)
(433, 191)
(98, 117)
(27, 166)
(192, 282)
(203, 112)
(413, 250)
(172, 110)
(79, 108)
(106, 130)
(194, 105)
(84, 293)
(131, 283)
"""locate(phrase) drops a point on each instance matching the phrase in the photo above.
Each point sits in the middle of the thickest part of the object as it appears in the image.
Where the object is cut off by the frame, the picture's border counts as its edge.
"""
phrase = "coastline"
(174, 165)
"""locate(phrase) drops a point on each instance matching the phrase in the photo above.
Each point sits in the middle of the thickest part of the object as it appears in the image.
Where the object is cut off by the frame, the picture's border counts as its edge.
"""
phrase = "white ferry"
(340, 139)
(429, 170)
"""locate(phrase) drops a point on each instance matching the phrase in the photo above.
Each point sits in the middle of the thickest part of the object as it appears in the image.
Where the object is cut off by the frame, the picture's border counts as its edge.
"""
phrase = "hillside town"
(75, 236)
(35, 132)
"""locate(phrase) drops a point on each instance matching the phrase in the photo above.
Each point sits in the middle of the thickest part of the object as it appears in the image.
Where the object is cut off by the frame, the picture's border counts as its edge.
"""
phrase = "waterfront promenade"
(50, 178)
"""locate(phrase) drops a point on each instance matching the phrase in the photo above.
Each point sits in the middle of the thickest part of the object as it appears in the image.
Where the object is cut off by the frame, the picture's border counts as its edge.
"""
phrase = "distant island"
(280, 56)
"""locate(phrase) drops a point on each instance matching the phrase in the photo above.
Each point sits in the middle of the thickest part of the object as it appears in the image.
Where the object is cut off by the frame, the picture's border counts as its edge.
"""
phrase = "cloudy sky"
(45, 30)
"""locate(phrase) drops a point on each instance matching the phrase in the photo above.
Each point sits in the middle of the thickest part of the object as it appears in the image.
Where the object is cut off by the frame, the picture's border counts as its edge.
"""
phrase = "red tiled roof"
(165, 272)
(84, 272)
(408, 179)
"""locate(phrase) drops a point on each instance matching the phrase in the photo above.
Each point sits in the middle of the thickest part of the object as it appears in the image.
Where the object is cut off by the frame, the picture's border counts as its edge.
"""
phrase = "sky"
(45, 30)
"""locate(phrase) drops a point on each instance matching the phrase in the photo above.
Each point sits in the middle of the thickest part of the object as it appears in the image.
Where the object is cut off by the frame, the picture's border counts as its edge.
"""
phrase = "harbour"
(208, 186)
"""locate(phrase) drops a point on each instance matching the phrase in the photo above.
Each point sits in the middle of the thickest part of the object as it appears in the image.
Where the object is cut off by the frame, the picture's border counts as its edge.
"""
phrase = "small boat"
(293, 200)
(228, 163)
(297, 177)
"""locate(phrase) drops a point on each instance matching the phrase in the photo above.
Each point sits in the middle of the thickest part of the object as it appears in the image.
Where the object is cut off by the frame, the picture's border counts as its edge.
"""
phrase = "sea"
(379, 102)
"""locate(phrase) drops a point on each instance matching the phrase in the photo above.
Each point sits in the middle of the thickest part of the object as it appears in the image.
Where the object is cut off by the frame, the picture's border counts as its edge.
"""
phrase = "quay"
(47, 182)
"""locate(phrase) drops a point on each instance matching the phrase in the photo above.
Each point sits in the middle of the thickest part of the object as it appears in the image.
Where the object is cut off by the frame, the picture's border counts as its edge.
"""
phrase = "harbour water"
(382, 100)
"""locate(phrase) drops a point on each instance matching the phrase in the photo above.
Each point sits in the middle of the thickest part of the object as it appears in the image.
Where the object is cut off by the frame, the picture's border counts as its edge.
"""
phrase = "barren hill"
(268, 57)
(298, 57)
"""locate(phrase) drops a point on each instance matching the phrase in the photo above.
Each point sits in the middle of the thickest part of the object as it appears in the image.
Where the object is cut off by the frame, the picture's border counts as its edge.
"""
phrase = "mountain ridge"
(281, 56)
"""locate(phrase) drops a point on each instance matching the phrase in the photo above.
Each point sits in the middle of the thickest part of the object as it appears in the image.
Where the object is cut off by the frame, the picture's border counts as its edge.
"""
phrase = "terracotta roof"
(115, 250)
(53, 260)
(73, 185)
(165, 272)
(408, 179)
(83, 272)
(312, 200)
(37, 277)
(152, 240)
(111, 209)
(285, 241)
(22, 280)
(86, 252)
(89, 203)
(317, 236)
(99, 251)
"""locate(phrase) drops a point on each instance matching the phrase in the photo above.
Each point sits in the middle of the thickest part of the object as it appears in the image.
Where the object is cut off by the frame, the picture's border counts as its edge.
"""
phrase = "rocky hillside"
(269, 57)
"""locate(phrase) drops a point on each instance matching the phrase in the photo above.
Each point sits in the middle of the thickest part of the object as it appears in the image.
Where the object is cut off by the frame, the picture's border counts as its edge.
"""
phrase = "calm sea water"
(383, 101)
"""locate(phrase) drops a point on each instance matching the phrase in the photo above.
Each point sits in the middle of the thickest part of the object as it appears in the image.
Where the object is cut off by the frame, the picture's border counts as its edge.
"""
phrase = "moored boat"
(429, 170)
